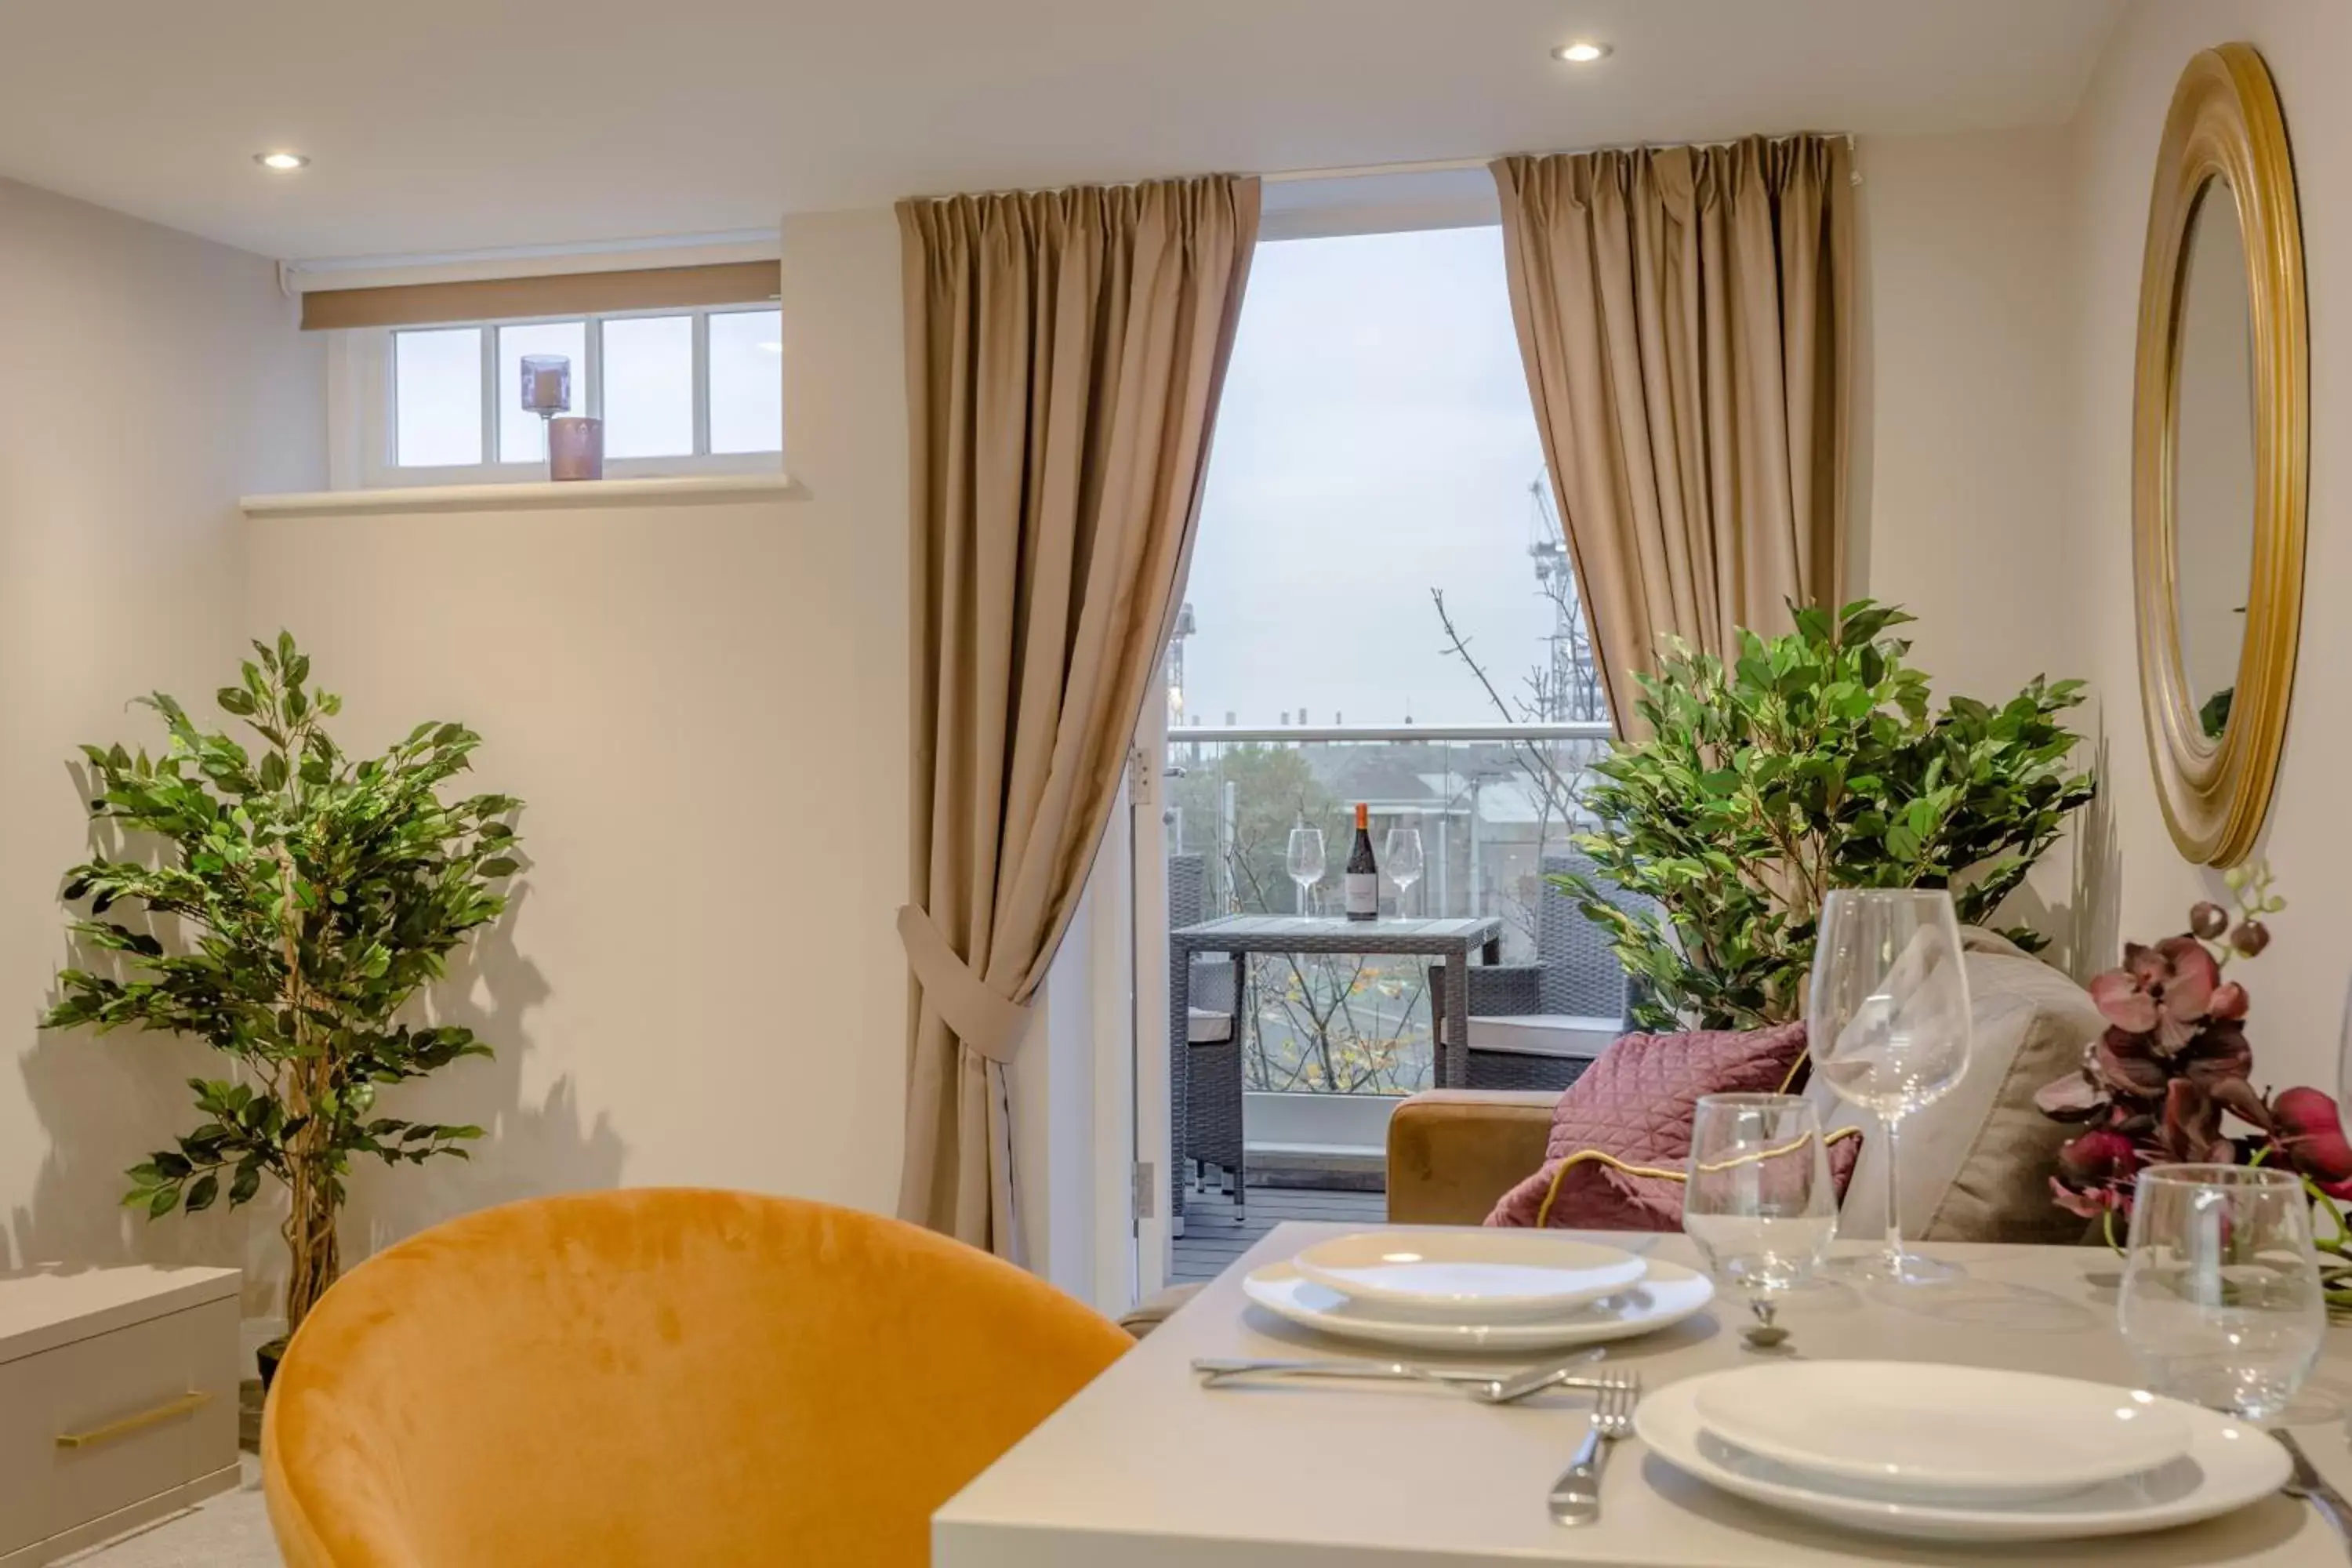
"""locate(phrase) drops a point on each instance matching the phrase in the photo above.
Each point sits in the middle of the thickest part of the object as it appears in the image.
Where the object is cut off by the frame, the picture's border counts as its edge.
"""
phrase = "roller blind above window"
(558, 294)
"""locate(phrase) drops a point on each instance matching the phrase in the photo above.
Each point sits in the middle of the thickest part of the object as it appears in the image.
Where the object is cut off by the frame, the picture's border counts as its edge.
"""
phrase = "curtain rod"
(1457, 165)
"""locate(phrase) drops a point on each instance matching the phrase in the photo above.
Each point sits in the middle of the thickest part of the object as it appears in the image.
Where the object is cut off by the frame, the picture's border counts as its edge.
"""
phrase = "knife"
(2312, 1487)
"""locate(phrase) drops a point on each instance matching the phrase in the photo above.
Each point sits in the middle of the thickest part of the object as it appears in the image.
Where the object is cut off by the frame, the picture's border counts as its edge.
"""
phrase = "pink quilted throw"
(1630, 1116)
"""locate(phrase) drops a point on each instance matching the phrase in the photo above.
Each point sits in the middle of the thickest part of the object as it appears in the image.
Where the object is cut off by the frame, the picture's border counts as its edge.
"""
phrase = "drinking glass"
(1888, 1029)
(1758, 1204)
(1306, 862)
(1403, 860)
(2221, 1301)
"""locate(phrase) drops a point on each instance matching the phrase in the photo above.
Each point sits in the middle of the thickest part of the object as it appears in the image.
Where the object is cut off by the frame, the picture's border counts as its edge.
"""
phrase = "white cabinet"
(118, 1402)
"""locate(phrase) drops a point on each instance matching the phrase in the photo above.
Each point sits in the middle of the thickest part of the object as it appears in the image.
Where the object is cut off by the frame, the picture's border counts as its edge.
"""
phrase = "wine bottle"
(1363, 872)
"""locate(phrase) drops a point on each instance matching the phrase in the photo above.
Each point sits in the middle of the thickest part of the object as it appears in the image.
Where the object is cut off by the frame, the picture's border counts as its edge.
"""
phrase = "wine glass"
(2221, 1301)
(1759, 1203)
(1306, 862)
(1402, 860)
(1888, 1029)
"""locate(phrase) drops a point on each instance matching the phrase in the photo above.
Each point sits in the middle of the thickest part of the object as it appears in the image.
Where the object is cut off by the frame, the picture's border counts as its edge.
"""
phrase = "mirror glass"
(2213, 448)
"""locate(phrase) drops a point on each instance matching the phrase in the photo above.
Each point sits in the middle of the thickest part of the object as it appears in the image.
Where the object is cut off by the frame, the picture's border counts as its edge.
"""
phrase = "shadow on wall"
(109, 1103)
(2094, 935)
(525, 1150)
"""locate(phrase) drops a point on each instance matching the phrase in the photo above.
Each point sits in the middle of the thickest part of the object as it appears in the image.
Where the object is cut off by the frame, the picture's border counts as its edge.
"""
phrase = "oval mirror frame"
(2225, 124)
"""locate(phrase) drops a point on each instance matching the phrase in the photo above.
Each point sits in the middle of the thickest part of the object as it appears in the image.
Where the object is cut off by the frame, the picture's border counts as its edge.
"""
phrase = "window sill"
(533, 496)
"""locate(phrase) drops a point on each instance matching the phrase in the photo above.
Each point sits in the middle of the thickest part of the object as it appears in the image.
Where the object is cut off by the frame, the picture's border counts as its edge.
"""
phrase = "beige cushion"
(1976, 1163)
(1202, 1027)
(1544, 1034)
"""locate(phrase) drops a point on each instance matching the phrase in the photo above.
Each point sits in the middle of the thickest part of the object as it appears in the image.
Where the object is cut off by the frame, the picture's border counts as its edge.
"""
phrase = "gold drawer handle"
(195, 1399)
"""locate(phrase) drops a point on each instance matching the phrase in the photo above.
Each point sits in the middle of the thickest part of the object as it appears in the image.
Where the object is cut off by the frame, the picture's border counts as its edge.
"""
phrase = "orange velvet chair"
(659, 1376)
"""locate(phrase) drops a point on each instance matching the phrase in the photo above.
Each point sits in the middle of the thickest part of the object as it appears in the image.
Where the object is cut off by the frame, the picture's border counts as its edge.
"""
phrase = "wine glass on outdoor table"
(1403, 860)
(1306, 863)
(1888, 1029)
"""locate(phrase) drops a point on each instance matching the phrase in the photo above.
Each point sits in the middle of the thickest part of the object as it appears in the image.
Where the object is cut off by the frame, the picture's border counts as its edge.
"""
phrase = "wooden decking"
(1215, 1235)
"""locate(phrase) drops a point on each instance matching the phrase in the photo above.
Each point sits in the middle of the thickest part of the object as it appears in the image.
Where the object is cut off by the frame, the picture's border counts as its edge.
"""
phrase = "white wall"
(2143, 886)
(1962, 462)
(147, 379)
(704, 707)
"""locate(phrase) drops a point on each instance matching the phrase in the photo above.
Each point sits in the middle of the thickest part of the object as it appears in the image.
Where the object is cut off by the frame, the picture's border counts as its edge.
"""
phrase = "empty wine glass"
(2221, 1301)
(1402, 860)
(1306, 862)
(1888, 1029)
(1759, 1203)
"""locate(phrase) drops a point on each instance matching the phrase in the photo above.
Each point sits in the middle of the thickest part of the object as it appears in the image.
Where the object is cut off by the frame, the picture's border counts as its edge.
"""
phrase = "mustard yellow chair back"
(665, 1376)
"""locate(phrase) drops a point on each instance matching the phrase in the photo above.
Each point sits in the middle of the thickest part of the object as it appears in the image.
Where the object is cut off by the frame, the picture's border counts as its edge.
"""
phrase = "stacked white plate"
(1476, 1291)
(1952, 1453)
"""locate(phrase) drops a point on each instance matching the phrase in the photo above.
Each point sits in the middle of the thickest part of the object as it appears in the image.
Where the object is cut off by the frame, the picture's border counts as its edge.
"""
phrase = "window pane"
(437, 397)
(1375, 443)
(649, 386)
(522, 436)
(747, 381)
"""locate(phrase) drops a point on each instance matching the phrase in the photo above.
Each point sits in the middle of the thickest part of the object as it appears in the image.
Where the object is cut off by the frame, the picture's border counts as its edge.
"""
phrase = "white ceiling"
(440, 125)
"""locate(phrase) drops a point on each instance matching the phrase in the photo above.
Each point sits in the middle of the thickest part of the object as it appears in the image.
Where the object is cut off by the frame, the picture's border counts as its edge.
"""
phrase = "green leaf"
(163, 1201)
(246, 1182)
(237, 701)
(202, 1192)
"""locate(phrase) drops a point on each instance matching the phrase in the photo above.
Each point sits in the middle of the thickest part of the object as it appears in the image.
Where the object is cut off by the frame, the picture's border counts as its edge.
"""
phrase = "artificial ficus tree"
(309, 896)
(1805, 763)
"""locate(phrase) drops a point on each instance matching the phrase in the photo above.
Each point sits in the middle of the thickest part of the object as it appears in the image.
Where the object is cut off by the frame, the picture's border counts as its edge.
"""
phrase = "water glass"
(1402, 860)
(1888, 1023)
(2221, 1301)
(1306, 862)
(1759, 1203)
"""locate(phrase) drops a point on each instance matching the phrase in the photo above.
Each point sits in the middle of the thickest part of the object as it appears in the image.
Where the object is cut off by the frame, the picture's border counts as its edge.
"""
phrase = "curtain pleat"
(1685, 317)
(1065, 350)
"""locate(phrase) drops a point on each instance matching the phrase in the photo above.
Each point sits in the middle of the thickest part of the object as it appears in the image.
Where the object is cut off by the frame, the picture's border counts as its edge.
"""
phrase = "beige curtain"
(1065, 351)
(1684, 314)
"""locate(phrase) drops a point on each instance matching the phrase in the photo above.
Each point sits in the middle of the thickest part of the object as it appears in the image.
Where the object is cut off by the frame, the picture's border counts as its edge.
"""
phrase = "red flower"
(2305, 1128)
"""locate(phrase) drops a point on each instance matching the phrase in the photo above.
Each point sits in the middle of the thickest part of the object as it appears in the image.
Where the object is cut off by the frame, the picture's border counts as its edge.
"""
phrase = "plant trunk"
(314, 1257)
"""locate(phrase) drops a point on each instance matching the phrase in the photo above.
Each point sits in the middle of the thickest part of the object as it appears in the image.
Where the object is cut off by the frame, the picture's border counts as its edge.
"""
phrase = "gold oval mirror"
(2219, 454)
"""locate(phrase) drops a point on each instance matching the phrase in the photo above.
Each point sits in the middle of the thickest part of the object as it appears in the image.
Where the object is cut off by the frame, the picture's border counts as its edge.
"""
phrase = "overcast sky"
(1375, 442)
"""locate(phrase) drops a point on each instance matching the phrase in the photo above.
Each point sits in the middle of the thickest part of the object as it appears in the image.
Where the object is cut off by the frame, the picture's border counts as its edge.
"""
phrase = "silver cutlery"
(2309, 1485)
(1485, 1388)
(1576, 1496)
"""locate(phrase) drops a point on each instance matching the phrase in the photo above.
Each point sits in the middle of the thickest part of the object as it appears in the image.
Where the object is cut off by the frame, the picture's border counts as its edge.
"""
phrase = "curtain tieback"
(989, 1023)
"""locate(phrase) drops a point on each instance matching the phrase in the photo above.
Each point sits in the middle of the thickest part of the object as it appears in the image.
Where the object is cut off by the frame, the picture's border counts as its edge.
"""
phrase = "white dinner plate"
(1933, 1431)
(1479, 1276)
(2229, 1464)
(1666, 1294)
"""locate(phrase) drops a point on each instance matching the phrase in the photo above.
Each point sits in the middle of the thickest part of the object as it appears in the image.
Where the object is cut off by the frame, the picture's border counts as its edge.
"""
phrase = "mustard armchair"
(659, 1376)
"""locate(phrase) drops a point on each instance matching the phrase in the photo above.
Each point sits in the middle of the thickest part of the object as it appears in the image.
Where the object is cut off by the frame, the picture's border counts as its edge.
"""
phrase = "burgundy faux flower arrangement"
(2174, 1062)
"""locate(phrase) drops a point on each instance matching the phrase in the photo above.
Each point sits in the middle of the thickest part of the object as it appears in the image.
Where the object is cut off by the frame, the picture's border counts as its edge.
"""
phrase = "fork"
(1576, 1496)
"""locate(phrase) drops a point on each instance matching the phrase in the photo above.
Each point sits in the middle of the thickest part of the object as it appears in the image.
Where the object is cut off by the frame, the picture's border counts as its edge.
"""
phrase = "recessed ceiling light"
(281, 161)
(1581, 53)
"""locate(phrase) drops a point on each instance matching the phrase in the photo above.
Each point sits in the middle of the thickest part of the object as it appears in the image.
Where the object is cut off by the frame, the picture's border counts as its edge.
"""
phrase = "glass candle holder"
(546, 384)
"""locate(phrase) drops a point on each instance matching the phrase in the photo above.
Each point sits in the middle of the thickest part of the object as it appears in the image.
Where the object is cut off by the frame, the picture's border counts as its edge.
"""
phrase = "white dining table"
(1145, 1468)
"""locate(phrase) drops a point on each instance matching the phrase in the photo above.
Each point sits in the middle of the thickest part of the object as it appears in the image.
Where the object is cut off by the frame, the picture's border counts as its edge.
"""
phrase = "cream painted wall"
(2142, 884)
(1962, 463)
(703, 707)
(149, 379)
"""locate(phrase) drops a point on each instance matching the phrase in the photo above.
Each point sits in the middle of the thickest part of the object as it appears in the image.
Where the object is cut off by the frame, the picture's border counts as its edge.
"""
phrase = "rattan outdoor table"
(1241, 935)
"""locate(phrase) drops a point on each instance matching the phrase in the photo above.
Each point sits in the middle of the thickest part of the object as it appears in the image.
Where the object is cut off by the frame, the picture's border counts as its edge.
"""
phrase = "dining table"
(1147, 1468)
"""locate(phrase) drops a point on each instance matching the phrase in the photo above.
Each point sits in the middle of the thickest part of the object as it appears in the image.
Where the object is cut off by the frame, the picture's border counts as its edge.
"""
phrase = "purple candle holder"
(575, 448)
